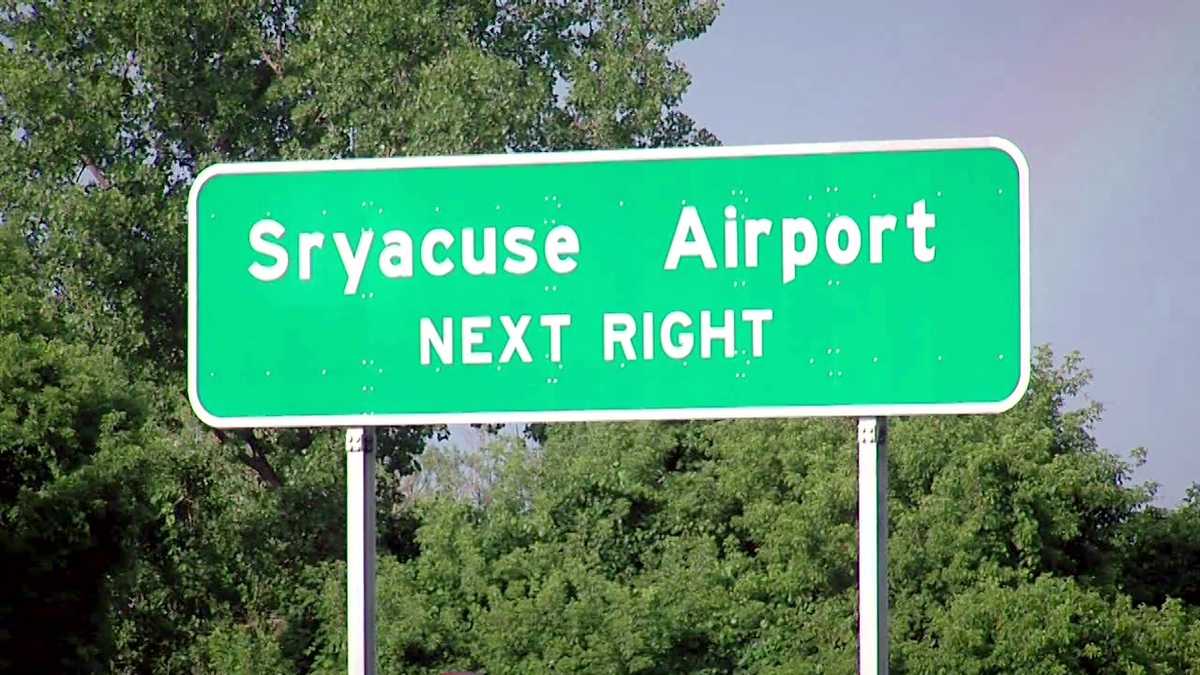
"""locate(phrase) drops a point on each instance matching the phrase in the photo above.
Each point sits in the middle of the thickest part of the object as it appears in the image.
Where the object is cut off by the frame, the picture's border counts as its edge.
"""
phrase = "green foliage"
(240, 650)
(714, 547)
(1055, 626)
(1163, 553)
(134, 539)
(58, 396)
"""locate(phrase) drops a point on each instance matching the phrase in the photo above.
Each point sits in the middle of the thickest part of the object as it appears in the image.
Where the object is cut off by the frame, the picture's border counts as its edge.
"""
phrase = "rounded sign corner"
(200, 411)
(1012, 150)
(206, 174)
(1009, 402)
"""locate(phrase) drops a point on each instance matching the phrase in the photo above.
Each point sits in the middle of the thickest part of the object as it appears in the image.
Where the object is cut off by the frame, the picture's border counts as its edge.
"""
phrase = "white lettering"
(647, 335)
(709, 333)
(757, 317)
(472, 337)
(918, 221)
(555, 322)
(560, 242)
(833, 240)
(309, 241)
(791, 257)
(442, 343)
(681, 349)
(619, 329)
(429, 244)
(396, 260)
(479, 266)
(261, 229)
(731, 237)
(756, 228)
(879, 225)
(516, 339)
(353, 261)
(689, 240)
(516, 241)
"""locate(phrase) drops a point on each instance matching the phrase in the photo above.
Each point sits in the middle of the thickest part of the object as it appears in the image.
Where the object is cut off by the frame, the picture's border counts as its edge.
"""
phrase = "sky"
(1103, 98)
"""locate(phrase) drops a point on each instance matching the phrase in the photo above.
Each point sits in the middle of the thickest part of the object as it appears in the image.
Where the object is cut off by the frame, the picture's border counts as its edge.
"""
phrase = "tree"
(725, 546)
(61, 402)
(199, 542)
(1162, 549)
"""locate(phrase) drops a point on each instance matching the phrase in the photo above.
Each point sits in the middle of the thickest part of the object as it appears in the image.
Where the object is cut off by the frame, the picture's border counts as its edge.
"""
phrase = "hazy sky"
(1104, 100)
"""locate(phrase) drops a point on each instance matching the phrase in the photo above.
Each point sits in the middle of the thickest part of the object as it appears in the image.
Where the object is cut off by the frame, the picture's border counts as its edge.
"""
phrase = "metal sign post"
(872, 546)
(360, 549)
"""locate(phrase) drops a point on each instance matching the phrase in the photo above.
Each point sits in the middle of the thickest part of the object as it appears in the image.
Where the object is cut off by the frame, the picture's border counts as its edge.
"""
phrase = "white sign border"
(366, 419)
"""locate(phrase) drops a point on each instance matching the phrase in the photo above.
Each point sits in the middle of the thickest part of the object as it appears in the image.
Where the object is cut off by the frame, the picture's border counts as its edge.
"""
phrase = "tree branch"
(101, 179)
(256, 459)
(275, 66)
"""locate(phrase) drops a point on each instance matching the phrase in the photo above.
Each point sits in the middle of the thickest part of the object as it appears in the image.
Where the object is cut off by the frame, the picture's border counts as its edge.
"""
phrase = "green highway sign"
(849, 279)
